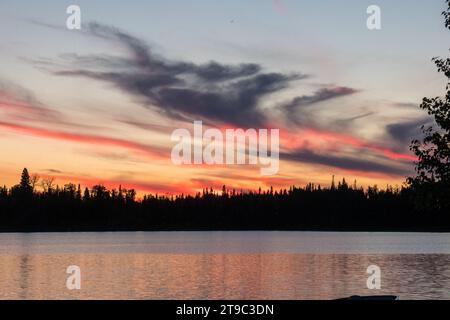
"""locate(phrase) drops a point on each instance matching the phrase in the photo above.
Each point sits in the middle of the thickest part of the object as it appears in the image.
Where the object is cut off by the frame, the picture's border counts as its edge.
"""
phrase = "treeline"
(340, 207)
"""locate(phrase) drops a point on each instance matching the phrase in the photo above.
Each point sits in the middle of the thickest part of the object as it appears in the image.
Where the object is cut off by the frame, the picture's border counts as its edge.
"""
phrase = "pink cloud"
(138, 148)
(318, 140)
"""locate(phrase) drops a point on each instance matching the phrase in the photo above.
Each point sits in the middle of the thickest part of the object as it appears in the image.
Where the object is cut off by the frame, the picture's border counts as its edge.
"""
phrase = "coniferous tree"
(86, 195)
(25, 182)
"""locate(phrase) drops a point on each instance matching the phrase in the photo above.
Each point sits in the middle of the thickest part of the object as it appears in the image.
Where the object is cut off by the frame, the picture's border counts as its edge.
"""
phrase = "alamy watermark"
(374, 280)
(73, 281)
(374, 19)
(73, 22)
(227, 147)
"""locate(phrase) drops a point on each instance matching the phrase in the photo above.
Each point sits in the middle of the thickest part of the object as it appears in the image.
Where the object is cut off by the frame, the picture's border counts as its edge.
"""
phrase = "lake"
(223, 265)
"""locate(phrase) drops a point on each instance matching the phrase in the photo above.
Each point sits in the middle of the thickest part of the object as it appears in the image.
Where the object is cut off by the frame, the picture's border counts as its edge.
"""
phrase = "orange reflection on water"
(221, 276)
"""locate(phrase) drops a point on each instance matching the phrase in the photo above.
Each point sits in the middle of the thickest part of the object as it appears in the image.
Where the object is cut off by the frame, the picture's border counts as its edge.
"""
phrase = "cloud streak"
(321, 95)
(138, 148)
(347, 163)
(21, 103)
(327, 140)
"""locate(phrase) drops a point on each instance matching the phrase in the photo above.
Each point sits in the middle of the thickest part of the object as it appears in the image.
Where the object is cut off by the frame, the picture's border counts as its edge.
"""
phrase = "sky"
(98, 105)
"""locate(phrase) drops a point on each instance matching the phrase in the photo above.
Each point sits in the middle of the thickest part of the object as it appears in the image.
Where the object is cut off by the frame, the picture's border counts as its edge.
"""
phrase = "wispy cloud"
(138, 148)
(21, 103)
(214, 91)
(321, 95)
(347, 163)
(322, 140)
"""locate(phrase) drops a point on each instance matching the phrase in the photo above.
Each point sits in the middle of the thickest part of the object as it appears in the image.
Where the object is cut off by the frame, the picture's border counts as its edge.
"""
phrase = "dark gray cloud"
(54, 171)
(349, 121)
(409, 105)
(237, 103)
(145, 59)
(402, 133)
(297, 112)
(307, 156)
(180, 90)
(359, 117)
(321, 95)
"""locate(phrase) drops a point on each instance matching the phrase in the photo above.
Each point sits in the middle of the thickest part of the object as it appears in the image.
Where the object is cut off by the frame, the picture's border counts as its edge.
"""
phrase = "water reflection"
(222, 276)
(123, 267)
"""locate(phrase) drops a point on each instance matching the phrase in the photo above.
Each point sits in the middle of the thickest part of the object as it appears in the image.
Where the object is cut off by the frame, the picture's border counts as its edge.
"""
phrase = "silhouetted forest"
(339, 207)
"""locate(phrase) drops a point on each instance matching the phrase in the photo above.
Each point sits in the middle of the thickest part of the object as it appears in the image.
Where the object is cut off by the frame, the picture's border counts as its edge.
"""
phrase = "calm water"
(223, 265)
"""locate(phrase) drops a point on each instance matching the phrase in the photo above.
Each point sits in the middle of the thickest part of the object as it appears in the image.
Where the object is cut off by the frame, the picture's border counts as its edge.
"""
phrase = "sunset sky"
(99, 105)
